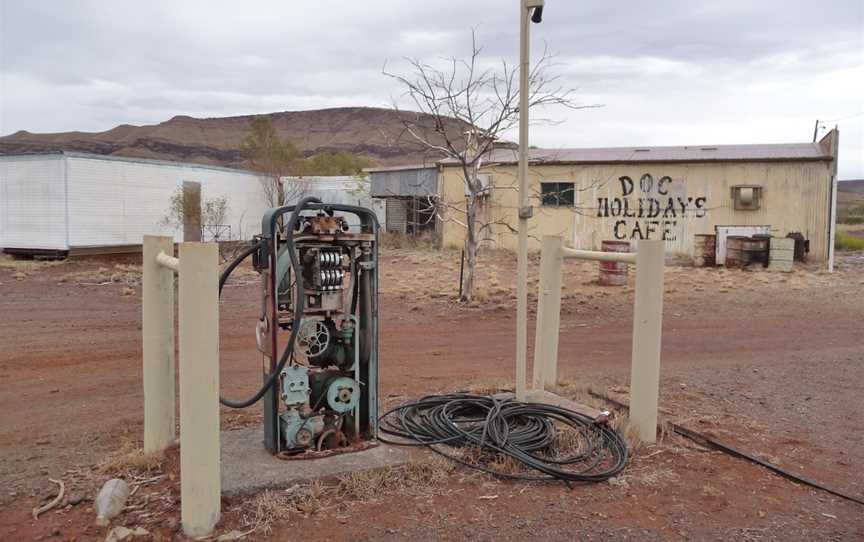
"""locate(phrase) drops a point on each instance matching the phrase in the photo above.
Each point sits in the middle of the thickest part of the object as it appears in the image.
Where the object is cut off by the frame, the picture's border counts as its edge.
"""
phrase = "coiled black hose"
(299, 299)
(558, 443)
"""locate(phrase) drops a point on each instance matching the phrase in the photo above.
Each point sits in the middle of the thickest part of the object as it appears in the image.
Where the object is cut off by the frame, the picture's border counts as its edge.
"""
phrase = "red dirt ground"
(772, 363)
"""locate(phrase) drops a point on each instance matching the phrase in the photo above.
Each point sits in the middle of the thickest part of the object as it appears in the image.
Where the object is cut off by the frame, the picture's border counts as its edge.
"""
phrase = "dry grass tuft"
(398, 241)
(621, 424)
(274, 506)
(568, 442)
(578, 391)
(366, 485)
(482, 293)
(130, 275)
(490, 387)
(23, 268)
(130, 460)
(506, 464)
(417, 477)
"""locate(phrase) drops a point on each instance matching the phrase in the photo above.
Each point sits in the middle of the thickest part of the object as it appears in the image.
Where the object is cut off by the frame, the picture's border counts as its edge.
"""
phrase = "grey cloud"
(664, 69)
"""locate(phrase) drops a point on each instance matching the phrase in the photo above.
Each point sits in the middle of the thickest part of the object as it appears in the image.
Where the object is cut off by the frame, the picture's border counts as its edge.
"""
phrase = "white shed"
(72, 202)
(346, 190)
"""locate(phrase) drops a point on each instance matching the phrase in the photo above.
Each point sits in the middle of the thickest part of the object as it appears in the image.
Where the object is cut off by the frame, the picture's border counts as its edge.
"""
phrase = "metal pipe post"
(548, 314)
(524, 210)
(647, 328)
(200, 484)
(623, 257)
(157, 340)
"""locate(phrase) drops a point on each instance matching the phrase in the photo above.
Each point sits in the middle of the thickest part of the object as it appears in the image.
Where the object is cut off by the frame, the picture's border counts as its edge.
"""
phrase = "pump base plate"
(248, 468)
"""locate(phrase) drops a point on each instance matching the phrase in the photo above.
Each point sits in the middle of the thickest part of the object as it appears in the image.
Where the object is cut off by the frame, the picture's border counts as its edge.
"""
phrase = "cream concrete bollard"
(647, 334)
(157, 327)
(545, 371)
(198, 270)
(200, 483)
(647, 323)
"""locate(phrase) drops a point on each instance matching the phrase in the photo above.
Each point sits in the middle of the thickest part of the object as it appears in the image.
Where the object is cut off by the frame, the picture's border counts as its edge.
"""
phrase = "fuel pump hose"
(298, 301)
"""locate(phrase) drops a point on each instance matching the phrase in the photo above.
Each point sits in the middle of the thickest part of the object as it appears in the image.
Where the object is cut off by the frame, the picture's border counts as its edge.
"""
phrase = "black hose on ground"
(557, 443)
(710, 442)
(299, 299)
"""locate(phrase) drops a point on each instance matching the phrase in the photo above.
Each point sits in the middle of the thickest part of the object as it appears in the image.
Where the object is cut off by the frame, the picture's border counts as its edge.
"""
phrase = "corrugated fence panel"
(408, 182)
(396, 215)
(32, 202)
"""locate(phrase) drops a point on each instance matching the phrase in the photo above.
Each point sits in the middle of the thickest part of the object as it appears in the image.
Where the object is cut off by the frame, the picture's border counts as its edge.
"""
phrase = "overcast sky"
(667, 73)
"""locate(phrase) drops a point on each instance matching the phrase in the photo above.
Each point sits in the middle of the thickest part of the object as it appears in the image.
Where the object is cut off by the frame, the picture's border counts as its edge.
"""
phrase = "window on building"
(557, 194)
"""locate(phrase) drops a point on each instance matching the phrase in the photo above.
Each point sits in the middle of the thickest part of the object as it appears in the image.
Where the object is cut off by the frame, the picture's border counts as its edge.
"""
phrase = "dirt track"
(773, 363)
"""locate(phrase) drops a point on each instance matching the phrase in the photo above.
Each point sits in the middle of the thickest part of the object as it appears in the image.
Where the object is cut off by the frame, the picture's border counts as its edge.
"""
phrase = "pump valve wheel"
(313, 338)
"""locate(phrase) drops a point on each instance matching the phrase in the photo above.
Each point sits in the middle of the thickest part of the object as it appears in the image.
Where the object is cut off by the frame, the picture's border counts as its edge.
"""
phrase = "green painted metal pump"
(318, 326)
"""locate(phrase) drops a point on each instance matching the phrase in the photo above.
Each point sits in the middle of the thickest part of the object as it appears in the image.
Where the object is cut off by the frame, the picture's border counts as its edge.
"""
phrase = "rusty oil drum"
(613, 273)
(735, 252)
(756, 249)
(704, 249)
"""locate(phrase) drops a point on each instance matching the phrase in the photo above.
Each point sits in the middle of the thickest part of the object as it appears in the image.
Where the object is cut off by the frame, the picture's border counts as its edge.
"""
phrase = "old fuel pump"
(318, 327)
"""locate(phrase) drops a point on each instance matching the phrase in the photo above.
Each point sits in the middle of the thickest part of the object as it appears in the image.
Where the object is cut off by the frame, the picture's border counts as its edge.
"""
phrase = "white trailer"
(68, 202)
(73, 202)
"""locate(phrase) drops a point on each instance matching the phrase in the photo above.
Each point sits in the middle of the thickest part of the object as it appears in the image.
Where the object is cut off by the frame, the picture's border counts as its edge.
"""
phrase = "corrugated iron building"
(409, 194)
(670, 193)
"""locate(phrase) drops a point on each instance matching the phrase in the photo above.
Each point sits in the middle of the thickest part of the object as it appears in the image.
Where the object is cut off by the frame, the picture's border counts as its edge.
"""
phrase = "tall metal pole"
(524, 210)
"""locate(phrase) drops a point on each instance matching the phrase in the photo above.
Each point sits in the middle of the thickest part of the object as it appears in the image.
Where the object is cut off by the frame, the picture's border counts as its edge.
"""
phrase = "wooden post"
(191, 211)
(647, 328)
(200, 484)
(548, 314)
(157, 331)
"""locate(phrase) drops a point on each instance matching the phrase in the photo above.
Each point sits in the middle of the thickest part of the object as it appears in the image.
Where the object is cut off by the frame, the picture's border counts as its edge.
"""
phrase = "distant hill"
(374, 133)
(855, 186)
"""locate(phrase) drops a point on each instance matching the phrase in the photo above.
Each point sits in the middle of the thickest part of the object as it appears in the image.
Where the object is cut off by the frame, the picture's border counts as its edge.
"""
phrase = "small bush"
(847, 241)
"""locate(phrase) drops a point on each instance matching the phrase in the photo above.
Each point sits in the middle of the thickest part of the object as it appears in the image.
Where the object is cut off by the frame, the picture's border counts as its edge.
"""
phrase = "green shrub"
(847, 241)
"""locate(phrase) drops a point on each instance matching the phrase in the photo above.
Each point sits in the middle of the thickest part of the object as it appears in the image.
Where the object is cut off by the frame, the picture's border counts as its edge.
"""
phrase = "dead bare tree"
(484, 101)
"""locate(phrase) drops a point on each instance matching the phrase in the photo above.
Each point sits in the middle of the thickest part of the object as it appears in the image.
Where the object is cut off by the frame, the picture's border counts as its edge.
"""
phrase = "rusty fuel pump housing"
(327, 393)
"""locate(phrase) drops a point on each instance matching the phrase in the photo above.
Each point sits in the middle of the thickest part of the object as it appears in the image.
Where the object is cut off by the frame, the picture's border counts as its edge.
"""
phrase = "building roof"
(433, 165)
(690, 153)
(112, 158)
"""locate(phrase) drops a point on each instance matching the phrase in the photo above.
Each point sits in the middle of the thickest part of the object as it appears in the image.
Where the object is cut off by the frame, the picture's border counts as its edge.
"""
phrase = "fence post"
(200, 484)
(157, 330)
(548, 314)
(647, 328)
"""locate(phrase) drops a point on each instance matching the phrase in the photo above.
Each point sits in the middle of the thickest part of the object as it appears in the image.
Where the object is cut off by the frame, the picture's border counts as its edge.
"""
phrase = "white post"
(548, 314)
(832, 225)
(200, 484)
(647, 328)
(157, 334)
